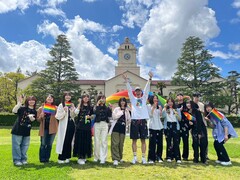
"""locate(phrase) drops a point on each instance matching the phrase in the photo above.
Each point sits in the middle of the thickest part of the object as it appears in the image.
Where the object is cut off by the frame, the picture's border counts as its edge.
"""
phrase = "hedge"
(8, 119)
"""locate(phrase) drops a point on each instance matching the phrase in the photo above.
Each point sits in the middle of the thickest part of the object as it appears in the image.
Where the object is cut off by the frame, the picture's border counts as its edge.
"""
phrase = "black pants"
(184, 135)
(199, 144)
(221, 151)
(67, 145)
(172, 138)
(155, 142)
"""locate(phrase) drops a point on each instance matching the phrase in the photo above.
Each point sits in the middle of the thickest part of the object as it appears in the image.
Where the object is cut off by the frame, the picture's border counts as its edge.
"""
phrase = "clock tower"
(127, 58)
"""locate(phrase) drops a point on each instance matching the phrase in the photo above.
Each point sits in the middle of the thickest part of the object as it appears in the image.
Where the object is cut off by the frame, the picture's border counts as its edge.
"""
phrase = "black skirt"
(83, 144)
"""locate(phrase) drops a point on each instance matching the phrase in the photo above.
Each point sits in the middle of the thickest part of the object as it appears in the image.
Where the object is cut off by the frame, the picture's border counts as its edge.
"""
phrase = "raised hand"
(150, 74)
(21, 99)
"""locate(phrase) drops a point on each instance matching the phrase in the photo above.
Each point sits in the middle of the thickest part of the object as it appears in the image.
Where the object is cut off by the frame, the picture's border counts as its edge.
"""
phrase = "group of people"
(73, 126)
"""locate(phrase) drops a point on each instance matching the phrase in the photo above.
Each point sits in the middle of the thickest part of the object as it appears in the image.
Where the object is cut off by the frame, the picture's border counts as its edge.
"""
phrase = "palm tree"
(160, 86)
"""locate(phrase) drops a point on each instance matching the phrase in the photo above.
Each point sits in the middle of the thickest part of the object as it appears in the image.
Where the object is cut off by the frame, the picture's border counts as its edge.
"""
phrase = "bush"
(8, 119)
(235, 120)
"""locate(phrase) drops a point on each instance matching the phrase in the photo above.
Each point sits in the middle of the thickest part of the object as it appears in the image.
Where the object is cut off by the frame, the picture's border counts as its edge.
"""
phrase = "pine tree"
(60, 74)
(195, 69)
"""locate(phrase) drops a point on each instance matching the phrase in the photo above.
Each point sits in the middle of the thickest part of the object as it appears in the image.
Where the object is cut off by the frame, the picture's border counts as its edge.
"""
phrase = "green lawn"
(186, 170)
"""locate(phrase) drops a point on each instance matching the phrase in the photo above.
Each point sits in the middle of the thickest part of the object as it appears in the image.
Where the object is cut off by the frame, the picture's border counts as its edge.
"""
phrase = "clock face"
(127, 56)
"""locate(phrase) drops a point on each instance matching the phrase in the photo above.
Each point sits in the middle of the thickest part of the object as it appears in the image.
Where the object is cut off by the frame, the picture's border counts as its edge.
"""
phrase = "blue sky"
(95, 29)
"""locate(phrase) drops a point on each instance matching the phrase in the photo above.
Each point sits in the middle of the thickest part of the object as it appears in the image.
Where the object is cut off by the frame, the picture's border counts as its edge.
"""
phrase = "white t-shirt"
(139, 105)
(154, 117)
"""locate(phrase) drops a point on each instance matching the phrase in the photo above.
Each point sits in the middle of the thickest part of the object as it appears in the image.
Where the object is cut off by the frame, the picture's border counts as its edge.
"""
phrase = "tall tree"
(60, 74)
(93, 94)
(195, 69)
(9, 89)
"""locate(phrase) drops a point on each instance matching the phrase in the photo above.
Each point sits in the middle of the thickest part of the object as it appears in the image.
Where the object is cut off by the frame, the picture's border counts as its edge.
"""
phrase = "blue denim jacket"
(218, 129)
(166, 117)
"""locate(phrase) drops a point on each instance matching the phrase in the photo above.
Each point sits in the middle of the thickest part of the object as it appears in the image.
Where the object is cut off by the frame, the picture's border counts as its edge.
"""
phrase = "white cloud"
(11, 5)
(53, 12)
(116, 28)
(90, 62)
(29, 55)
(169, 24)
(89, 1)
(113, 49)
(236, 5)
(81, 26)
(226, 56)
(135, 12)
(215, 44)
(48, 28)
(234, 47)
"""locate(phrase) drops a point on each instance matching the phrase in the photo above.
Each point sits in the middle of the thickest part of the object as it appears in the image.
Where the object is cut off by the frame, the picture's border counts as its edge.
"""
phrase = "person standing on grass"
(184, 127)
(103, 113)
(222, 132)
(196, 99)
(156, 131)
(65, 114)
(139, 113)
(83, 136)
(121, 118)
(171, 117)
(48, 127)
(22, 128)
(198, 130)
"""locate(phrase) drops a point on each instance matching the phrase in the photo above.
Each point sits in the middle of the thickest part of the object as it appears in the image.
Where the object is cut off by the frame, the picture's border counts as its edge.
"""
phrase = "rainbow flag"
(114, 98)
(189, 116)
(161, 100)
(49, 109)
(68, 104)
(216, 115)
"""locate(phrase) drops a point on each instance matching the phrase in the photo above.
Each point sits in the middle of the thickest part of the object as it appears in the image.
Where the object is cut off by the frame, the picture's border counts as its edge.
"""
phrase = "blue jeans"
(46, 146)
(20, 146)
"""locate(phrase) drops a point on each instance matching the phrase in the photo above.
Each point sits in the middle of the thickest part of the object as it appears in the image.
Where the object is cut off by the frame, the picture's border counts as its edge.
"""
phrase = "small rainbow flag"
(49, 109)
(68, 104)
(216, 115)
(189, 116)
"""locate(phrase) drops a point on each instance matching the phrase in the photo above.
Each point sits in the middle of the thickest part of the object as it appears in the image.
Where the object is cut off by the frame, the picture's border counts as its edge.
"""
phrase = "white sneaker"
(226, 163)
(150, 162)
(144, 161)
(61, 162)
(115, 162)
(95, 160)
(179, 162)
(218, 162)
(81, 161)
(18, 163)
(102, 162)
(169, 160)
(121, 161)
(134, 161)
(160, 161)
(24, 162)
(67, 161)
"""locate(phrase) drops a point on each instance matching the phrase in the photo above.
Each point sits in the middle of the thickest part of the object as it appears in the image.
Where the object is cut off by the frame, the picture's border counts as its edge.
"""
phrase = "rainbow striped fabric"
(68, 104)
(216, 115)
(114, 98)
(49, 109)
(189, 116)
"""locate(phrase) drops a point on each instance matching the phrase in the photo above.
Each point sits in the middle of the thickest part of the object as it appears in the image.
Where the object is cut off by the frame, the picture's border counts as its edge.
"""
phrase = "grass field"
(52, 170)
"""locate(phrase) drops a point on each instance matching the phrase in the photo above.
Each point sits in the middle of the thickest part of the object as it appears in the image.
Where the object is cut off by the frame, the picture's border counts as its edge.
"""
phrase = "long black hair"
(53, 103)
(63, 99)
(171, 99)
(88, 103)
(122, 99)
(208, 104)
(150, 99)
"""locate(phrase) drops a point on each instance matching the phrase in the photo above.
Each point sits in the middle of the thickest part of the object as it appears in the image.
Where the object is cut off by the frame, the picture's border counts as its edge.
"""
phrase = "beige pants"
(100, 140)
(117, 142)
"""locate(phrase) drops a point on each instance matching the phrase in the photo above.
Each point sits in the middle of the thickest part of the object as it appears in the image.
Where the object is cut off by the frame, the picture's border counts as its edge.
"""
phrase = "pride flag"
(49, 109)
(114, 98)
(216, 115)
(68, 104)
(189, 116)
